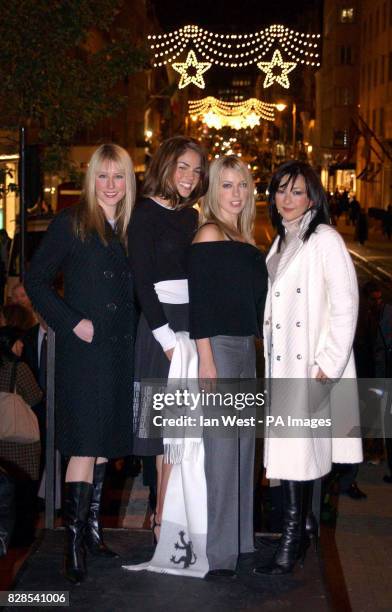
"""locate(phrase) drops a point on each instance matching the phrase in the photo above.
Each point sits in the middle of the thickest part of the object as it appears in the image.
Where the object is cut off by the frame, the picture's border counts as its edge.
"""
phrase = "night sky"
(234, 15)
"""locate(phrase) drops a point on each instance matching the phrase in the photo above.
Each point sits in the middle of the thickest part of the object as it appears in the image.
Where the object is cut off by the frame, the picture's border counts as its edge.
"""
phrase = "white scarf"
(182, 545)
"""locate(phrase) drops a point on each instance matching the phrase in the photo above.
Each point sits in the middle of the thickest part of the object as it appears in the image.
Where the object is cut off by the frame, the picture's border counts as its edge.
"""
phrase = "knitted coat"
(94, 381)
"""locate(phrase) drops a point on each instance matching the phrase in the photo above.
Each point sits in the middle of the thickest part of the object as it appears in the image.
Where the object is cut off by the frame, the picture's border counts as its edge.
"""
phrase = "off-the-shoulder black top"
(227, 289)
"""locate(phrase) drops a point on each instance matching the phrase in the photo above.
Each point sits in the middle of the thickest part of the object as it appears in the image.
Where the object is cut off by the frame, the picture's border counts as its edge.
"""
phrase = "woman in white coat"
(309, 326)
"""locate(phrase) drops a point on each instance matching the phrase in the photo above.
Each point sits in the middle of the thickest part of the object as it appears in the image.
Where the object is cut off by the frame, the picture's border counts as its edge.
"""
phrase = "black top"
(93, 380)
(227, 289)
(158, 242)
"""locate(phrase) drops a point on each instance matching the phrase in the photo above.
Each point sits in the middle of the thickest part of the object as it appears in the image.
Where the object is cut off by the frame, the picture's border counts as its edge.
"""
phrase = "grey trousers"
(229, 460)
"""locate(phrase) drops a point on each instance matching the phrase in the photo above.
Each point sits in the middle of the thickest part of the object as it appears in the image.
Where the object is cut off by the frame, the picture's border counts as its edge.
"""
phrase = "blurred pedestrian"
(362, 227)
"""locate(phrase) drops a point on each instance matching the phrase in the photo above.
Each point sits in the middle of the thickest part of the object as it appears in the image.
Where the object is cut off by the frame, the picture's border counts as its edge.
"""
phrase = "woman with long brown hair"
(161, 231)
(95, 325)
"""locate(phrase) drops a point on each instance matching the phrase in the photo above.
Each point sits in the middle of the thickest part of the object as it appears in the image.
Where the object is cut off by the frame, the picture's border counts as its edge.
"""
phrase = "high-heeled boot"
(93, 534)
(76, 507)
(294, 541)
(311, 524)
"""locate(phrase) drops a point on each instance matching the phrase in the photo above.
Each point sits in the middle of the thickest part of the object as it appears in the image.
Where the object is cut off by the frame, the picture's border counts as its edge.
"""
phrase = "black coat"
(94, 382)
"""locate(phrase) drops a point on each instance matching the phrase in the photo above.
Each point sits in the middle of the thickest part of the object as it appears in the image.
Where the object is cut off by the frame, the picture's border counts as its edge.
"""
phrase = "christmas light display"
(276, 70)
(217, 113)
(191, 71)
(235, 50)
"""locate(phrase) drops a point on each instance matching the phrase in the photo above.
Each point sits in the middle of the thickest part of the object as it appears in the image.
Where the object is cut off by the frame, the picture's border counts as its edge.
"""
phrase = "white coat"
(309, 322)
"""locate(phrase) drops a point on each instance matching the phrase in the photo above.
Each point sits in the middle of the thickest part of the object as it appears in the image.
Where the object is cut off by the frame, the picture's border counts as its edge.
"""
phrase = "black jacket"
(93, 381)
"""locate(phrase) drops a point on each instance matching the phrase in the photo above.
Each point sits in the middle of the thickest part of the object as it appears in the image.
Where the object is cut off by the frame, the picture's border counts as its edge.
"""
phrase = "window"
(370, 28)
(369, 80)
(344, 96)
(363, 77)
(377, 23)
(347, 15)
(340, 138)
(390, 67)
(381, 123)
(384, 17)
(382, 70)
(345, 55)
(375, 73)
(374, 117)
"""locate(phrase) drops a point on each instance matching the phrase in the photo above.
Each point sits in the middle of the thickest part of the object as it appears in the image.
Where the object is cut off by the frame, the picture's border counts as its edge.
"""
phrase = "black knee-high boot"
(311, 524)
(93, 535)
(294, 541)
(76, 507)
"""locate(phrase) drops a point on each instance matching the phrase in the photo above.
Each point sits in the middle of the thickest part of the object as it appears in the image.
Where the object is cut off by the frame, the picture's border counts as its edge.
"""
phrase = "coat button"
(299, 356)
(112, 307)
(299, 290)
(298, 323)
(278, 326)
(278, 357)
(108, 274)
(113, 338)
(266, 322)
(277, 293)
(128, 337)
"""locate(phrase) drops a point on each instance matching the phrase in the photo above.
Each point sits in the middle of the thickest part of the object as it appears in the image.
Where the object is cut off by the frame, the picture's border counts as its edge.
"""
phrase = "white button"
(277, 293)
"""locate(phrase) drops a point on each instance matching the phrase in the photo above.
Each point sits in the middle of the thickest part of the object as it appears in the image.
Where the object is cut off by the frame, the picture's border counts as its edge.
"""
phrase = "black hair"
(315, 192)
(8, 336)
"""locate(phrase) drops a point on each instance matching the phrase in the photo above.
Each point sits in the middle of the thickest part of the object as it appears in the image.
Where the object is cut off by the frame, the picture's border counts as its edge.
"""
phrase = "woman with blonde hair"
(95, 325)
(227, 287)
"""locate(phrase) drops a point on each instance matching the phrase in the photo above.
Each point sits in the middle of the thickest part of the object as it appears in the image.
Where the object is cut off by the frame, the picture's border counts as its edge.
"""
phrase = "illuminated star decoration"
(195, 75)
(276, 70)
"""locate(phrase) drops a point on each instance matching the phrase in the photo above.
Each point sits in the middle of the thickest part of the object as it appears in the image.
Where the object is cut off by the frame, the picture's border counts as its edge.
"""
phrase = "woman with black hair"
(309, 326)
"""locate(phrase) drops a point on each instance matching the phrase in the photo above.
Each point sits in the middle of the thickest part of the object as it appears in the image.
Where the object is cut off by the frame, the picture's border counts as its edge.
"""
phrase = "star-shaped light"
(276, 70)
(195, 75)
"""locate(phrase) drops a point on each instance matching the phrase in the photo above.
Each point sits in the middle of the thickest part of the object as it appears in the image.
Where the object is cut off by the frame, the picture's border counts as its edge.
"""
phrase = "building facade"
(337, 93)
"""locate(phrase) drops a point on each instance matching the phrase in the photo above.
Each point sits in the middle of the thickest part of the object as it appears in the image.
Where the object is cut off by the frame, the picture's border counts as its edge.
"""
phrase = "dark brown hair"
(289, 171)
(159, 176)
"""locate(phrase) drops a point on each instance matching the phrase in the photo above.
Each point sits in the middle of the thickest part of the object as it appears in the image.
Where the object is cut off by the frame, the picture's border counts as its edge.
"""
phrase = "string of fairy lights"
(219, 113)
(235, 50)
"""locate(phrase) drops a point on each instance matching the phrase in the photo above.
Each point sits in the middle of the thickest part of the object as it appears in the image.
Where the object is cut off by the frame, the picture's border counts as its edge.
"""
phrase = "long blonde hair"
(210, 210)
(90, 217)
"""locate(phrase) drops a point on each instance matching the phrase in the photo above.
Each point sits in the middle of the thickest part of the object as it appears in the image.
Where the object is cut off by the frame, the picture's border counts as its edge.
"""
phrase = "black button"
(108, 274)
(112, 307)
(113, 338)
(298, 290)
(128, 337)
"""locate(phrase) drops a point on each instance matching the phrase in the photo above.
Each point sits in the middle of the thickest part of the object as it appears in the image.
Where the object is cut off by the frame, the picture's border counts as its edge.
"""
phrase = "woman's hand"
(321, 376)
(169, 353)
(207, 369)
(84, 330)
(207, 375)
